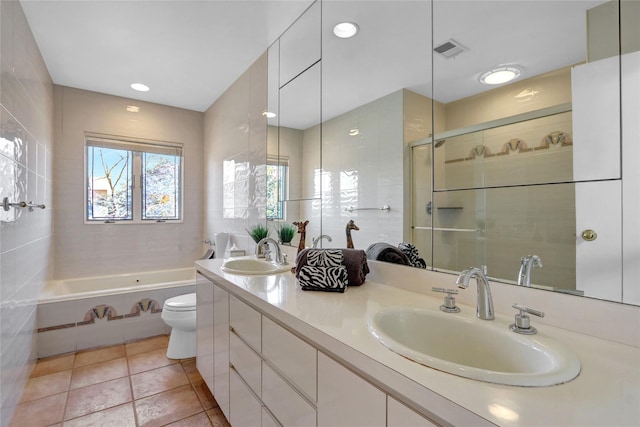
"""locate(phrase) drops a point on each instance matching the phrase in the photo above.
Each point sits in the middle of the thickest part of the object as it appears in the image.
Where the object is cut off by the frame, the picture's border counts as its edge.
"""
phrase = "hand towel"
(355, 260)
(382, 251)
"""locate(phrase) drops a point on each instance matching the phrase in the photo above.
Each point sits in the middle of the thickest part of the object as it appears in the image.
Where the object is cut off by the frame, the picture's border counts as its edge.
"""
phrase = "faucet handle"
(522, 325)
(449, 305)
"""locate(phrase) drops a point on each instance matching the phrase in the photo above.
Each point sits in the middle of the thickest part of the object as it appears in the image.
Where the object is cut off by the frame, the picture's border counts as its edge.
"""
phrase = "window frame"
(136, 146)
(282, 163)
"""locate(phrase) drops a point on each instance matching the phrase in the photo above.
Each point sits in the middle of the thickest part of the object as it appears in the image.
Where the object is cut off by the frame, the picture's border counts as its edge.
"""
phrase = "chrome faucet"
(280, 256)
(319, 238)
(484, 309)
(526, 263)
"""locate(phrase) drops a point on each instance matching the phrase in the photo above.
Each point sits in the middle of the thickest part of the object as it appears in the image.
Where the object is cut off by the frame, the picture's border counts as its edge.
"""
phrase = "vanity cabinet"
(212, 331)
(266, 375)
(398, 415)
(346, 399)
(204, 329)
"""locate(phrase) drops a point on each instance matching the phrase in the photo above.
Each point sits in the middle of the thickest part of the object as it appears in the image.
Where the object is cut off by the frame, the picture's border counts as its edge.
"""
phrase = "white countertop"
(605, 393)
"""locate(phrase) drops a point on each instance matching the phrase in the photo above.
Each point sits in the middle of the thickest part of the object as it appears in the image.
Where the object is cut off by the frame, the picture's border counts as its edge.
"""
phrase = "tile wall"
(235, 151)
(121, 248)
(26, 146)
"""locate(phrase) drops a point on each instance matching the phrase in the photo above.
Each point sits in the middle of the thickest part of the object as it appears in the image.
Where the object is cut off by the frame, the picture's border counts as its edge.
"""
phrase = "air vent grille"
(450, 48)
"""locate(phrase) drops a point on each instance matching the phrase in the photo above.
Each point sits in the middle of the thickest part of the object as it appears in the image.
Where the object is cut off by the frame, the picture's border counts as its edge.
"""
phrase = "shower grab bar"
(6, 205)
(385, 208)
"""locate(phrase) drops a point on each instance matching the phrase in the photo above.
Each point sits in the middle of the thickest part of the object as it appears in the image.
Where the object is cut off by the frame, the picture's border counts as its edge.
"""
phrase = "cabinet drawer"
(267, 419)
(284, 402)
(398, 415)
(245, 409)
(246, 322)
(296, 359)
(246, 362)
(345, 399)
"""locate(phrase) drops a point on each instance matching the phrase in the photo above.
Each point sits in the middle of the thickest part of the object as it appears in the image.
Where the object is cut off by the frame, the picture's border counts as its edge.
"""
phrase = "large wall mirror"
(399, 129)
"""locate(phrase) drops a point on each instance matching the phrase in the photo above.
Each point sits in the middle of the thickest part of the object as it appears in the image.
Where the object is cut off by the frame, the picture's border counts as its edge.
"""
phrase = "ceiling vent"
(450, 48)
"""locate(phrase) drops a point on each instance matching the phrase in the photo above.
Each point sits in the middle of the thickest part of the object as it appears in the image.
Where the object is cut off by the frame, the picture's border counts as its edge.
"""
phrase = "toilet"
(180, 314)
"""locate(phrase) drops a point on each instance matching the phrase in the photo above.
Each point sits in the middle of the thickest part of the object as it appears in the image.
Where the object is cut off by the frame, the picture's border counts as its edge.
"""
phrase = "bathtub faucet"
(280, 256)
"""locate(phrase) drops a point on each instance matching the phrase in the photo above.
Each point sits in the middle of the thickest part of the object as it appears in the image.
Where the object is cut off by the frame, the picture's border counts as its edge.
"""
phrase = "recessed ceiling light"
(133, 108)
(345, 30)
(500, 75)
(140, 87)
(269, 114)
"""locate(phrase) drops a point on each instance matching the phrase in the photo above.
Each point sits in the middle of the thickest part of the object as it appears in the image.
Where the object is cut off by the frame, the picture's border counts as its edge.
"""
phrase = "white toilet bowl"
(180, 313)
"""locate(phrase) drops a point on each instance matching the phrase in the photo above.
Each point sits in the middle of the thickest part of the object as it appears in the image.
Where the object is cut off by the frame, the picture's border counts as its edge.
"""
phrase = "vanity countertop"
(605, 393)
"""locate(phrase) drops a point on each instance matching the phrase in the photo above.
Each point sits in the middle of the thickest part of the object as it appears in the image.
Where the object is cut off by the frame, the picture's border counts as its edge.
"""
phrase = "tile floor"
(131, 384)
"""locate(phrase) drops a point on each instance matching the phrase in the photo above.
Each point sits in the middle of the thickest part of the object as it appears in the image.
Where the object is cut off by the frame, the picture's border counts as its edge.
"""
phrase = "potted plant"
(286, 232)
(258, 232)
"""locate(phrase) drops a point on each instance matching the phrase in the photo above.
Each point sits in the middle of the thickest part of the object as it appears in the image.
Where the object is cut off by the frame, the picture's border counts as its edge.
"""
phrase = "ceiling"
(189, 52)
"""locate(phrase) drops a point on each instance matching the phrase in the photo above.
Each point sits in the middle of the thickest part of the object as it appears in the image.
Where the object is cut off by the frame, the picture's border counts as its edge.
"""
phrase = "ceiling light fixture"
(500, 75)
(269, 114)
(345, 30)
(140, 87)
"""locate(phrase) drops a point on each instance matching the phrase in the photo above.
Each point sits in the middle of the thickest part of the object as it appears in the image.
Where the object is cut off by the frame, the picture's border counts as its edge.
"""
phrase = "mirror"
(467, 172)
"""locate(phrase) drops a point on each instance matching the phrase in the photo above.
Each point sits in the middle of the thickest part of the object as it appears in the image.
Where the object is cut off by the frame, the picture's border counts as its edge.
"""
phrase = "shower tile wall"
(26, 123)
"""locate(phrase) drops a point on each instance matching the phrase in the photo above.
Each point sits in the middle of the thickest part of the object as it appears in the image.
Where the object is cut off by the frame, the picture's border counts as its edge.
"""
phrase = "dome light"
(500, 75)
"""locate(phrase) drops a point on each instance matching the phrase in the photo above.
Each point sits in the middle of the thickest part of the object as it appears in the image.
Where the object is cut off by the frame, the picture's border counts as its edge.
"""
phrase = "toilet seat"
(186, 302)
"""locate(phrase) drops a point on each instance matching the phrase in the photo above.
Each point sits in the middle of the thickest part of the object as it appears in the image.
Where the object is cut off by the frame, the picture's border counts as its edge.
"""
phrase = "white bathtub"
(89, 312)
(70, 289)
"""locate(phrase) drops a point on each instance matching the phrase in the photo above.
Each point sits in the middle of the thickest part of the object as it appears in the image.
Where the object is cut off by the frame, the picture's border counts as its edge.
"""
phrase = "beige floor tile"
(198, 420)
(51, 365)
(88, 357)
(191, 370)
(167, 407)
(148, 344)
(217, 418)
(206, 398)
(150, 360)
(46, 385)
(158, 380)
(99, 372)
(41, 412)
(120, 416)
(93, 398)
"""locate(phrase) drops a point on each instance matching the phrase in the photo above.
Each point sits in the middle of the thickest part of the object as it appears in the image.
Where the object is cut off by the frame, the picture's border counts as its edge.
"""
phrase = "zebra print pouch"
(324, 257)
(331, 279)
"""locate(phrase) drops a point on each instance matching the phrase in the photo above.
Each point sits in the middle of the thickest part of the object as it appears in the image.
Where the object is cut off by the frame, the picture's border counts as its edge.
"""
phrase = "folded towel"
(355, 260)
(412, 253)
(382, 251)
(330, 279)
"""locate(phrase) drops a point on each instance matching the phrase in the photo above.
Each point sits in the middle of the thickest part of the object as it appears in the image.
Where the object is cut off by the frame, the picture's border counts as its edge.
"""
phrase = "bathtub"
(89, 312)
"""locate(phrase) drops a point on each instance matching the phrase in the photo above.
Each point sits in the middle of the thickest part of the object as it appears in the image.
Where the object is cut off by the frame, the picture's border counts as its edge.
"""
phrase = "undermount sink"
(473, 348)
(252, 266)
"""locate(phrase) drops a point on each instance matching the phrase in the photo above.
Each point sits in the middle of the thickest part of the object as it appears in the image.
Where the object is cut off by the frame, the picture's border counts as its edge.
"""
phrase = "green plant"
(286, 232)
(258, 232)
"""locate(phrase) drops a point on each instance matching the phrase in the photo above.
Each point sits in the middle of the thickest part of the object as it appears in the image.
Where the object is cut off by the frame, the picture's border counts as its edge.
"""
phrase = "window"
(132, 180)
(276, 187)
